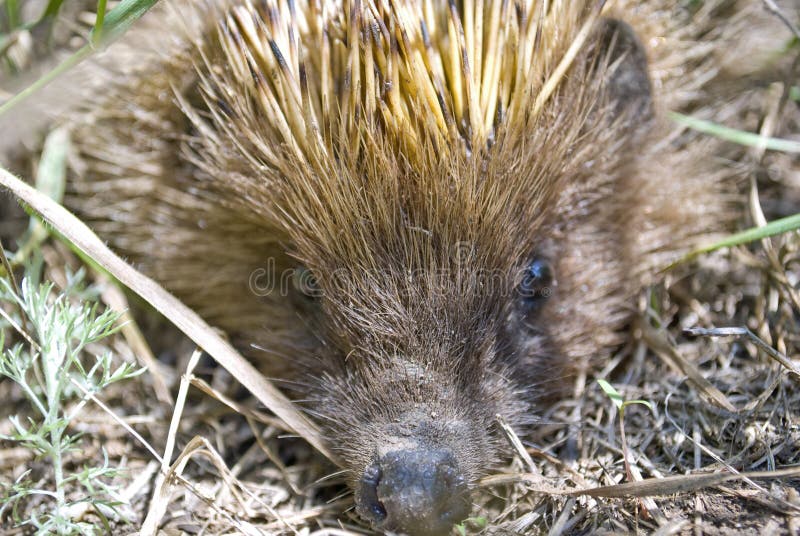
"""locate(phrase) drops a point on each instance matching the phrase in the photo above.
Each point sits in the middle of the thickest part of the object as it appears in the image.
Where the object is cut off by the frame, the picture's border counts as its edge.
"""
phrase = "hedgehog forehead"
(390, 117)
(454, 217)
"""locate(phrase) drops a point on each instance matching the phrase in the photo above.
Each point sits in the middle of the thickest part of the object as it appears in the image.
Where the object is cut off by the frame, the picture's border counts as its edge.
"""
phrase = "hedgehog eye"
(538, 283)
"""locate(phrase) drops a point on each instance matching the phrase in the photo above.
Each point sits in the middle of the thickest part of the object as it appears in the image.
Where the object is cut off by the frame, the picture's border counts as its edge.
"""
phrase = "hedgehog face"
(416, 373)
(422, 408)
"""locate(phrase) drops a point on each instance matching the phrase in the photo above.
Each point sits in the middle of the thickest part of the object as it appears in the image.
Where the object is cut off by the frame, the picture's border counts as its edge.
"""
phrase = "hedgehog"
(422, 215)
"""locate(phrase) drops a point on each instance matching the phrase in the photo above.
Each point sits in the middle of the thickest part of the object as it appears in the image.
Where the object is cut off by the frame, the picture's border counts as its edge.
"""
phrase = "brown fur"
(415, 186)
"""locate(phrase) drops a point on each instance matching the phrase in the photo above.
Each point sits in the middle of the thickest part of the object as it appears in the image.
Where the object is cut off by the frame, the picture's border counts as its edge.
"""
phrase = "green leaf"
(51, 177)
(480, 522)
(612, 393)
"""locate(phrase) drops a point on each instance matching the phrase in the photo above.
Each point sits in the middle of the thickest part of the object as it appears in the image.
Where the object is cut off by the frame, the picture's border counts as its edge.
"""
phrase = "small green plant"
(479, 522)
(621, 404)
(50, 364)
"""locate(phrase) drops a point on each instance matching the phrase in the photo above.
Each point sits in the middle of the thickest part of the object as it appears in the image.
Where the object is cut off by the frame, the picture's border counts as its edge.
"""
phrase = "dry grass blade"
(743, 332)
(184, 318)
(90, 396)
(682, 483)
(516, 443)
(677, 362)
(158, 506)
(773, 8)
(248, 413)
(201, 446)
(561, 522)
(649, 487)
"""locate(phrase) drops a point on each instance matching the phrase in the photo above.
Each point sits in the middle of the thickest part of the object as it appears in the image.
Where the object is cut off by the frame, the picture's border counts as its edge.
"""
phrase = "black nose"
(418, 492)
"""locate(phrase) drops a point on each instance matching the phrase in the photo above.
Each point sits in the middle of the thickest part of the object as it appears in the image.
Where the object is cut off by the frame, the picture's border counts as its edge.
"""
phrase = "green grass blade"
(97, 32)
(52, 9)
(741, 137)
(43, 81)
(776, 227)
(116, 22)
(12, 11)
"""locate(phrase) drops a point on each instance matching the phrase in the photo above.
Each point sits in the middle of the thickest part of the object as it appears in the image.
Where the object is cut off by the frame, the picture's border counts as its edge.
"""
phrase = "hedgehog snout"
(415, 491)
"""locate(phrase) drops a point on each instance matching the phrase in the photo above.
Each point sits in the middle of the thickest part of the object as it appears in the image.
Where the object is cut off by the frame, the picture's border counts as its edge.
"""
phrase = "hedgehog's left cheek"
(537, 284)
